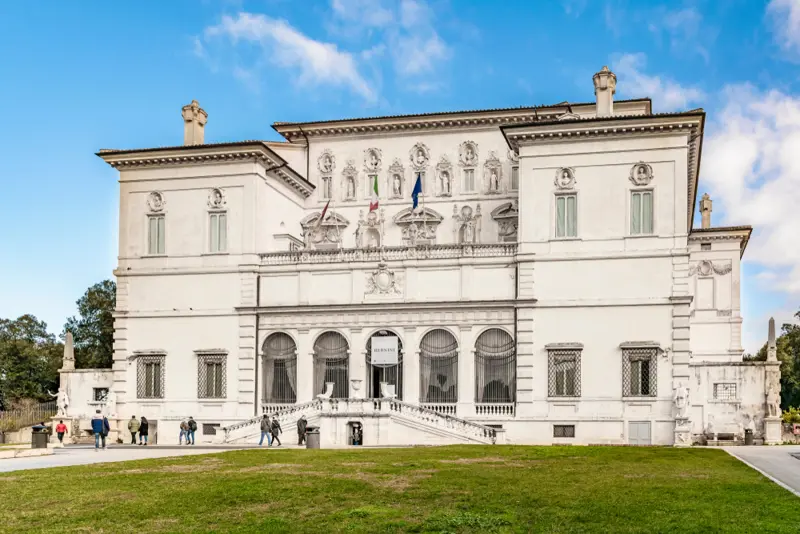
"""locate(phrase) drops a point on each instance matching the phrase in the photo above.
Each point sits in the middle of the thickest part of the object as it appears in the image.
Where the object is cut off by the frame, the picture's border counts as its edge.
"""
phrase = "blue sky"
(79, 77)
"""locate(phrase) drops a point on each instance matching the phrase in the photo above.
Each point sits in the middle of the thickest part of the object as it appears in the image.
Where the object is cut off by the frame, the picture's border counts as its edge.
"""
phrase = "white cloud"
(751, 167)
(667, 94)
(574, 8)
(370, 13)
(316, 62)
(785, 15)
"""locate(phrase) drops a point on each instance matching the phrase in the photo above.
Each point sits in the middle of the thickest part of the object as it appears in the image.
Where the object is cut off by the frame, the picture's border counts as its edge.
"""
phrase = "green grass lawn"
(449, 489)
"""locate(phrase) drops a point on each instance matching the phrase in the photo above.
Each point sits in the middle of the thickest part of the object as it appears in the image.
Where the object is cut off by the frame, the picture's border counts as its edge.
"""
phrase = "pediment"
(331, 219)
(426, 215)
(509, 210)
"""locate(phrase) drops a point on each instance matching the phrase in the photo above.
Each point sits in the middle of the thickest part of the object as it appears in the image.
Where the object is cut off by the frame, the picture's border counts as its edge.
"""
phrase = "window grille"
(514, 178)
(725, 392)
(495, 367)
(331, 362)
(566, 215)
(156, 234)
(469, 180)
(392, 375)
(563, 431)
(210, 429)
(150, 377)
(564, 373)
(438, 367)
(641, 212)
(100, 394)
(211, 376)
(639, 372)
(279, 369)
(218, 232)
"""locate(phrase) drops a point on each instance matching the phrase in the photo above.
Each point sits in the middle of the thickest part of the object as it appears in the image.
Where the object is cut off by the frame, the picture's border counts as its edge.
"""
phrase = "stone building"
(549, 286)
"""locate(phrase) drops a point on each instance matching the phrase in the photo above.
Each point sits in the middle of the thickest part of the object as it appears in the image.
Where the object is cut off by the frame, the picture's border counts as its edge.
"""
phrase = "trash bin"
(39, 437)
(312, 437)
(748, 437)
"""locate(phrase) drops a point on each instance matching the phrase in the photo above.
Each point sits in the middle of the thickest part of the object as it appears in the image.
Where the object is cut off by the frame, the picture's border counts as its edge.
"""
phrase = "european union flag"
(417, 190)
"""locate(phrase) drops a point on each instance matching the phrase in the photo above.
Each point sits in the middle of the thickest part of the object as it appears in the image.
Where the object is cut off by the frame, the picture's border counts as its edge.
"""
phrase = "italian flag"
(373, 203)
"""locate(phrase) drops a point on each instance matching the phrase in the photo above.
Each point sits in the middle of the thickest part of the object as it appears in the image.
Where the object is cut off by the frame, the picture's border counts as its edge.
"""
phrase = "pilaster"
(305, 367)
(246, 359)
(466, 372)
(681, 301)
(411, 364)
(525, 362)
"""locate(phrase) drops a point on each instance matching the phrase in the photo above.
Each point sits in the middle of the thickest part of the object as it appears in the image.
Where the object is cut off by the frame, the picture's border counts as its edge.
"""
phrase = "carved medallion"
(372, 159)
(382, 281)
(419, 155)
(468, 154)
(326, 162)
(216, 200)
(565, 178)
(641, 174)
(155, 201)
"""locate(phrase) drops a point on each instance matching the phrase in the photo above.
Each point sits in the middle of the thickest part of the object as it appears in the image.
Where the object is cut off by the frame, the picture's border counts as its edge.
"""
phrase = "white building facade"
(548, 287)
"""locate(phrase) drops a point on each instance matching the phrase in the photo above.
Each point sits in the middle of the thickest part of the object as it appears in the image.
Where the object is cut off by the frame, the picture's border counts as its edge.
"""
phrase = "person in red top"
(61, 429)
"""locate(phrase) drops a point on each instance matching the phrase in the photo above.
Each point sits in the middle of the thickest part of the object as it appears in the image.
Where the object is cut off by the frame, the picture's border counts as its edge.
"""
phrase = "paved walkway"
(84, 455)
(776, 462)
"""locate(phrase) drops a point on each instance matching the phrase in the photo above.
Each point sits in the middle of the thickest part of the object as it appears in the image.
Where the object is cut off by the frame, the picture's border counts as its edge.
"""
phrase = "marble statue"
(773, 397)
(359, 237)
(397, 189)
(351, 188)
(444, 177)
(62, 401)
(469, 232)
(420, 157)
(111, 403)
(710, 427)
(469, 157)
(327, 164)
(681, 399)
(494, 183)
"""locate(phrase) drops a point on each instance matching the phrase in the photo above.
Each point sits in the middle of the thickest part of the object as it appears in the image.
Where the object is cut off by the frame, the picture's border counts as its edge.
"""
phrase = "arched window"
(331, 364)
(438, 377)
(280, 369)
(495, 367)
(391, 374)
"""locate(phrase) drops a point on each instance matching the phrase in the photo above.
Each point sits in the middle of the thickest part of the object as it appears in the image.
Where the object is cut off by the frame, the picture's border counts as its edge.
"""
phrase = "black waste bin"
(39, 437)
(312, 437)
(748, 437)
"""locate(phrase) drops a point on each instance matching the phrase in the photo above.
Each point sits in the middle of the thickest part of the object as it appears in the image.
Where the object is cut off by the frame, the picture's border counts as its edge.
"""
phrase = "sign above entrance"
(384, 350)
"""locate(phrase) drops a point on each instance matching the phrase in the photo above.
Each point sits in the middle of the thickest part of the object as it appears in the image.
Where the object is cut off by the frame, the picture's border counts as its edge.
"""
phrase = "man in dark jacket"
(275, 429)
(192, 428)
(301, 429)
(265, 431)
(100, 429)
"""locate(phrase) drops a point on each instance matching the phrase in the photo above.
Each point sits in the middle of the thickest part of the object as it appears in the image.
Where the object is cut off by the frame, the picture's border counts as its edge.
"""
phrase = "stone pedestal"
(772, 431)
(683, 432)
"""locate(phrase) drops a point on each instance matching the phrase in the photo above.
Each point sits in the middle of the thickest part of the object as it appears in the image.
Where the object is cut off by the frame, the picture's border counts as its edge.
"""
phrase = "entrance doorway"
(391, 374)
(355, 433)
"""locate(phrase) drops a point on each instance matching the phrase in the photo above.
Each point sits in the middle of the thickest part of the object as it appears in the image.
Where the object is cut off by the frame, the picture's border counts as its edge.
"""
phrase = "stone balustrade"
(389, 254)
(436, 419)
(440, 407)
(495, 409)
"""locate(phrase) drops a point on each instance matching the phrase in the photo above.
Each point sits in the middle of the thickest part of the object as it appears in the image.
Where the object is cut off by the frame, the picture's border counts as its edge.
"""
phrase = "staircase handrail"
(256, 420)
(487, 431)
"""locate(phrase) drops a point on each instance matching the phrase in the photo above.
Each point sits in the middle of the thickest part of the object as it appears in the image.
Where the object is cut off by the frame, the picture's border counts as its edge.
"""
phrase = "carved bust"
(155, 201)
(641, 174)
(565, 178)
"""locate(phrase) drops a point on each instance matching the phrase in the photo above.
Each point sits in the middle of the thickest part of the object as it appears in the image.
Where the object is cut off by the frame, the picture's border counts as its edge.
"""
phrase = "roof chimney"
(605, 85)
(194, 123)
(705, 211)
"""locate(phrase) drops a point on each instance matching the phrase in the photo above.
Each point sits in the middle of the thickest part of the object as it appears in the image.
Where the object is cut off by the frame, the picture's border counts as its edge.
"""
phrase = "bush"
(791, 416)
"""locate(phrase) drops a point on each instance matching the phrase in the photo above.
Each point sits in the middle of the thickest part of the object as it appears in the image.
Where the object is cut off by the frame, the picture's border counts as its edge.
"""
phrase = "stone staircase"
(408, 424)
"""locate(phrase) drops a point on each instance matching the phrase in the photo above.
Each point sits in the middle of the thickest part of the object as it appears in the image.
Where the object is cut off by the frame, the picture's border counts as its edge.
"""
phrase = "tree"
(29, 360)
(93, 329)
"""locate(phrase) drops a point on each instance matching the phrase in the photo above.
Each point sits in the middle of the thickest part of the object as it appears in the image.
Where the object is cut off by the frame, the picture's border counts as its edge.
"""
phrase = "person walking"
(143, 430)
(184, 433)
(301, 429)
(133, 428)
(192, 424)
(61, 429)
(265, 431)
(99, 429)
(275, 429)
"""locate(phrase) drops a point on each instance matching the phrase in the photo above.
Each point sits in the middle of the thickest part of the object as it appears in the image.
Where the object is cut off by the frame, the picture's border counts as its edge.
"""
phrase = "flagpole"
(424, 194)
(338, 234)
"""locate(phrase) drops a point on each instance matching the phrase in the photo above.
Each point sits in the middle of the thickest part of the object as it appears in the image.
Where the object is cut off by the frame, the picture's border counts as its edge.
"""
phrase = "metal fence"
(12, 420)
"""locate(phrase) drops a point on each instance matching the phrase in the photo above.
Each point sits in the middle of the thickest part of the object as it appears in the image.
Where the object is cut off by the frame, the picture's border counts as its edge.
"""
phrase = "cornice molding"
(256, 153)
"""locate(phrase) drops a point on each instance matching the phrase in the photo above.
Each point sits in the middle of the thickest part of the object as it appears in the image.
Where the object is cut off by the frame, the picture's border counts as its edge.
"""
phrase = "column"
(411, 365)
(466, 372)
(305, 367)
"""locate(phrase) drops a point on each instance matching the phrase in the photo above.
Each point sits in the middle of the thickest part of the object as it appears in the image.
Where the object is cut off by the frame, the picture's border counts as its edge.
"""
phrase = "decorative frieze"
(708, 268)
(436, 252)
(418, 227)
(384, 282)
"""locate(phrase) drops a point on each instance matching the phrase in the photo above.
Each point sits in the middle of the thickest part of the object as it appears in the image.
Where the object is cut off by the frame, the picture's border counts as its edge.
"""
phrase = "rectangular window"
(563, 431)
(705, 246)
(469, 180)
(327, 193)
(369, 185)
(725, 392)
(564, 373)
(218, 232)
(210, 429)
(641, 212)
(567, 216)
(639, 372)
(100, 394)
(155, 234)
(211, 376)
(150, 377)
(514, 178)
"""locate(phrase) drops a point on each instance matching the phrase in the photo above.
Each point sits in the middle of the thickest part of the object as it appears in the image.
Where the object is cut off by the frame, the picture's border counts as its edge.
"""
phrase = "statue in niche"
(359, 237)
(469, 232)
(494, 182)
(444, 178)
(351, 187)
(681, 399)
(397, 186)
